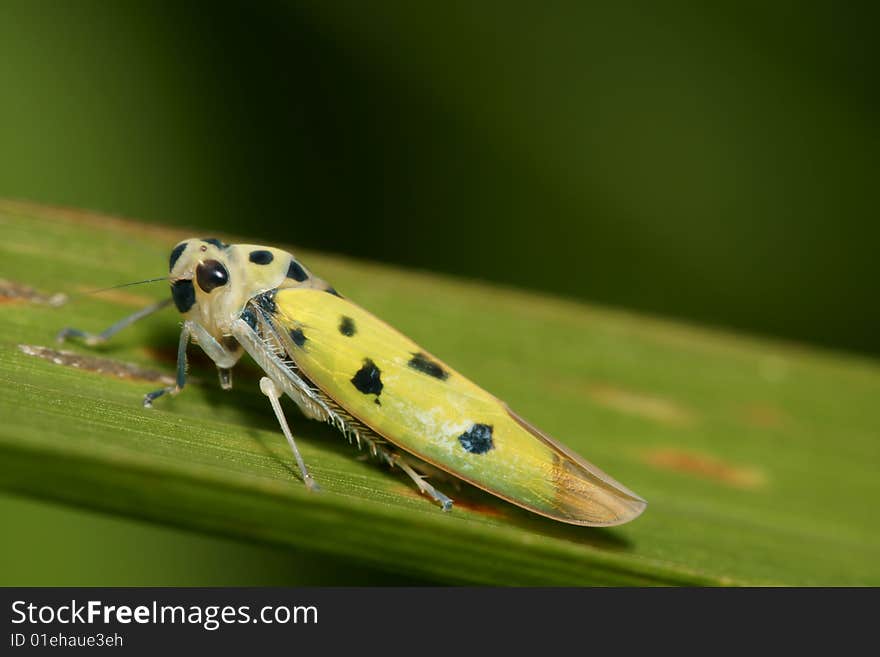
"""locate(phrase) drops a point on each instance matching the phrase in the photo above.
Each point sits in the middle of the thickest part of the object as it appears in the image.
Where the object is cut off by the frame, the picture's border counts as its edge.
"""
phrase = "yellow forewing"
(418, 403)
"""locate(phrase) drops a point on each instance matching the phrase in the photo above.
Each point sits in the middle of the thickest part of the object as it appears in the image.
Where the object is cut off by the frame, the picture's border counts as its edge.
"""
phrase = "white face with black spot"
(211, 281)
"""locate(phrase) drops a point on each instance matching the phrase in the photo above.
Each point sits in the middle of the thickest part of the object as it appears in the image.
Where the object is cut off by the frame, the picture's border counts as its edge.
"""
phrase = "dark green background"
(715, 163)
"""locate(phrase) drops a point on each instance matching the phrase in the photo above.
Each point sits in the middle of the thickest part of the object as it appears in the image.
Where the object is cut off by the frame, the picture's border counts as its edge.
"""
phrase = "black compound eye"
(211, 274)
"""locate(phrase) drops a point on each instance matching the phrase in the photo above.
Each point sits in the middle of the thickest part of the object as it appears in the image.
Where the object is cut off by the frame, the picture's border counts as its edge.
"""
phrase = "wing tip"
(633, 508)
(592, 498)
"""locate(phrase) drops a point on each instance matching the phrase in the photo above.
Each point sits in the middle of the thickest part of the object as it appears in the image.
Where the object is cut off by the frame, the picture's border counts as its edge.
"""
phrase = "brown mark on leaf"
(10, 292)
(106, 366)
(764, 416)
(652, 407)
(705, 467)
(491, 511)
(464, 498)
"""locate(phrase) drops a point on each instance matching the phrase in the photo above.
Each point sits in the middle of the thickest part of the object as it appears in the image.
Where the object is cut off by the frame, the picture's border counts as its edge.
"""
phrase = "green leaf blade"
(758, 459)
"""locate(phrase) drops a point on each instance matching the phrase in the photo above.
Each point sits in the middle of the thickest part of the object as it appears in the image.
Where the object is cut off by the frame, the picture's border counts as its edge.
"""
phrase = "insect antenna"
(116, 287)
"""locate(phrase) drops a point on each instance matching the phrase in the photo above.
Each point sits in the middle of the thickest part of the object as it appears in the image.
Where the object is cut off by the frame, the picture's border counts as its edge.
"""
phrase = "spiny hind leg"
(396, 459)
(401, 461)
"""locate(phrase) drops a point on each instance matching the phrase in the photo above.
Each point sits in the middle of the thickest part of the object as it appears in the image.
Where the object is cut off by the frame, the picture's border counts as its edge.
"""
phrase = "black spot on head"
(248, 316)
(211, 274)
(261, 257)
(296, 272)
(347, 327)
(421, 363)
(368, 379)
(184, 295)
(215, 242)
(266, 301)
(332, 291)
(477, 439)
(175, 254)
(298, 337)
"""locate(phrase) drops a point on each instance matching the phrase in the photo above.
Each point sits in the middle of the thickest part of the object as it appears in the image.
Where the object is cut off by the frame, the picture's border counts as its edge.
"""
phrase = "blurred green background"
(717, 164)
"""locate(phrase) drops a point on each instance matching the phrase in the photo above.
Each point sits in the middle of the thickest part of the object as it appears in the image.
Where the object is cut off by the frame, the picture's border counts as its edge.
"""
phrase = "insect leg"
(424, 487)
(273, 392)
(181, 369)
(222, 356)
(225, 374)
(106, 334)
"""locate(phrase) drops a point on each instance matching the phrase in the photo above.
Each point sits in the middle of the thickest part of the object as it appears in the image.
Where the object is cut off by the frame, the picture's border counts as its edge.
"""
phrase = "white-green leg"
(223, 358)
(269, 388)
(424, 487)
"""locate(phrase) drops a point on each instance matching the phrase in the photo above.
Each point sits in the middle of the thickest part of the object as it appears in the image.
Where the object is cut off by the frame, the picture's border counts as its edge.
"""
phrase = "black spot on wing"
(477, 439)
(368, 379)
(296, 272)
(184, 295)
(347, 327)
(215, 242)
(332, 291)
(266, 301)
(261, 257)
(175, 254)
(298, 337)
(421, 363)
